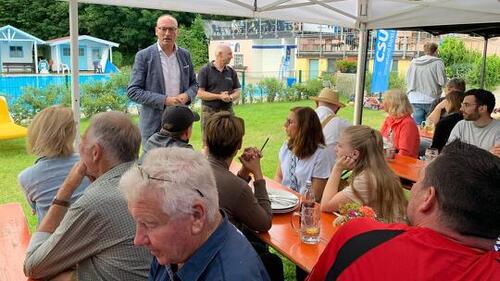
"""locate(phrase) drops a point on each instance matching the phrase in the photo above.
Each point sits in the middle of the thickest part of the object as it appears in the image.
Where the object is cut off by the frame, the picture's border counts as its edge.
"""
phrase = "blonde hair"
(397, 103)
(52, 132)
(385, 194)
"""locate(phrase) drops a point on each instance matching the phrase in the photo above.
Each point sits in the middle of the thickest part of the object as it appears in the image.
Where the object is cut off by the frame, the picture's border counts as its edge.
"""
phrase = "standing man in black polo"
(218, 84)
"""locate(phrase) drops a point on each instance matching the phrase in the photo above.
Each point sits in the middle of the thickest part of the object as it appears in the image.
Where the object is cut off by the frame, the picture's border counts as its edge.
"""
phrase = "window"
(16, 51)
(96, 53)
(394, 66)
(238, 60)
(66, 52)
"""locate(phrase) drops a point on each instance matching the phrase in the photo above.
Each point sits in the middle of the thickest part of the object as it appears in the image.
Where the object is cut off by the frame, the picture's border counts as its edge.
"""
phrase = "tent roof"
(348, 13)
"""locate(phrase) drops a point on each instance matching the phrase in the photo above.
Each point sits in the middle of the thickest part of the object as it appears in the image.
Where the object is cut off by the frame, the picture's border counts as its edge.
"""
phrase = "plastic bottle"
(390, 150)
(308, 198)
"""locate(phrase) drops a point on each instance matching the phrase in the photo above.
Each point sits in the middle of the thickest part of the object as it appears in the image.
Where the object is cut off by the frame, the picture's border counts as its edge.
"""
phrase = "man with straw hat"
(327, 107)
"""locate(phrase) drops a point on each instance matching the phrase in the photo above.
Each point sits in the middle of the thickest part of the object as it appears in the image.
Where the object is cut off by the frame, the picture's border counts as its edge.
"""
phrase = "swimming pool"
(11, 86)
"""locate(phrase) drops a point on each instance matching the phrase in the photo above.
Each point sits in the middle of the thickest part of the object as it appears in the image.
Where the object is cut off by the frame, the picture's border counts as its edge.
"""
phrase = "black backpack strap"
(358, 246)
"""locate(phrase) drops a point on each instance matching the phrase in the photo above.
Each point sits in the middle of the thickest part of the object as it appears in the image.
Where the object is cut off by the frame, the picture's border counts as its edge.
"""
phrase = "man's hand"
(182, 98)
(496, 150)
(171, 101)
(72, 181)
(225, 97)
(250, 159)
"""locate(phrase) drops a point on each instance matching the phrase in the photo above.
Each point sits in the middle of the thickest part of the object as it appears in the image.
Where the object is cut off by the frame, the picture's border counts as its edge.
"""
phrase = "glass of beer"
(309, 223)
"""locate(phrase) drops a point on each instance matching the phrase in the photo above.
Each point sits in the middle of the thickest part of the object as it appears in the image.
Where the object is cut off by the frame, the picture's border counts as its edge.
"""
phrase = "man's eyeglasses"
(145, 175)
(164, 29)
(466, 104)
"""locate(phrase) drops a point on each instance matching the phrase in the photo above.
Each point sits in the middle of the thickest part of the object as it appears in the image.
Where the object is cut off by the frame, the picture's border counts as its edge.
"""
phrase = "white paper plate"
(282, 201)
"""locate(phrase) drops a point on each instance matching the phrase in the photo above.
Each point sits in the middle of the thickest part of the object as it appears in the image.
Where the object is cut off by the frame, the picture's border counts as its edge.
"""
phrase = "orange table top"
(285, 239)
(14, 239)
(407, 167)
(425, 133)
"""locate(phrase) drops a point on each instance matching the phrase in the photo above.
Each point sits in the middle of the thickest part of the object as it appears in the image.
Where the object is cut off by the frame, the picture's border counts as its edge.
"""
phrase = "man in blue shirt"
(173, 198)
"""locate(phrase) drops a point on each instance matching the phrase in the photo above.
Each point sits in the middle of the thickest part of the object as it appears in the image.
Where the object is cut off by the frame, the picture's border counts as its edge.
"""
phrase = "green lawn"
(262, 120)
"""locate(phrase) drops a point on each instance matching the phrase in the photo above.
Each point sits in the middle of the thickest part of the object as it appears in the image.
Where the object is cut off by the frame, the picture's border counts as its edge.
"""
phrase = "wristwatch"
(63, 203)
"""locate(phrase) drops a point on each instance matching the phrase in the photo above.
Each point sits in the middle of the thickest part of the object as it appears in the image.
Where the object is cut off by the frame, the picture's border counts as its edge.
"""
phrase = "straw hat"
(330, 96)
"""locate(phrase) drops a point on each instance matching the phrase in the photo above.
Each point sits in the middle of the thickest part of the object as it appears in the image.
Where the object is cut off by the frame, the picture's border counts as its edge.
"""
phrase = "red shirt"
(405, 132)
(417, 254)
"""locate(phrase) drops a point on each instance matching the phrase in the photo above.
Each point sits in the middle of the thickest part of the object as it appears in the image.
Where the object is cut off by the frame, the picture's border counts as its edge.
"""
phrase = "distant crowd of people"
(109, 212)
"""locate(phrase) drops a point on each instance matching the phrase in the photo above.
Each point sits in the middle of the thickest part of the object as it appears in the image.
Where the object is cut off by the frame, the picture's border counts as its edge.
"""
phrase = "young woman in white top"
(372, 182)
(304, 157)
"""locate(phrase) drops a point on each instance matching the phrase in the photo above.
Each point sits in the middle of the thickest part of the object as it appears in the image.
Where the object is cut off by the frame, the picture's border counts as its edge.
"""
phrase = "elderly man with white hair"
(173, 198)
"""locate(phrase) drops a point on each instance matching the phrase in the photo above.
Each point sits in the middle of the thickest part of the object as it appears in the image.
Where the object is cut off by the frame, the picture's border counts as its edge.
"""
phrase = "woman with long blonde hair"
(50, 138)
(372, 182)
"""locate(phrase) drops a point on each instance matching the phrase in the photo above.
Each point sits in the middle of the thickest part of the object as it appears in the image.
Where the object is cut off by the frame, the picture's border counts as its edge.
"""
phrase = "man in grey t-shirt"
(478, 128)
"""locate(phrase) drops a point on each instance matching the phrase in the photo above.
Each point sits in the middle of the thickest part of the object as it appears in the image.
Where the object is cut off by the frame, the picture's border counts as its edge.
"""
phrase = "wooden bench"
(18, 67)
(14, 239)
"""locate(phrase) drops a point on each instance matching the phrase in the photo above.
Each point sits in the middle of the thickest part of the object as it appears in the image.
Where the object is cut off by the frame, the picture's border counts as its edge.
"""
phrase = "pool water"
(12, 86)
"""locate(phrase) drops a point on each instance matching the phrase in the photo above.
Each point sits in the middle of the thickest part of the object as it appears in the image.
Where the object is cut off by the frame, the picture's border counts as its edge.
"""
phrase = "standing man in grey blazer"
(163, 75)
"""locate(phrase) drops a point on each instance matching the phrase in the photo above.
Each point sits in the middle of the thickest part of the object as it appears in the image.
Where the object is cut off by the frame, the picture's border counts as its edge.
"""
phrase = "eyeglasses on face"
(466, 104)
(164, 29)
(289, 122)
(147, 176)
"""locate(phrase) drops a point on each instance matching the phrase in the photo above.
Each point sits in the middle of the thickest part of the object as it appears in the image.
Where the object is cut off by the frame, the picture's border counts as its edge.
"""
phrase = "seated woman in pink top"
(404, 130)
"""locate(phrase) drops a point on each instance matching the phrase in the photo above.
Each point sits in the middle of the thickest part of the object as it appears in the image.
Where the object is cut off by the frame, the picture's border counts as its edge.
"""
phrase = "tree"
(195, 41)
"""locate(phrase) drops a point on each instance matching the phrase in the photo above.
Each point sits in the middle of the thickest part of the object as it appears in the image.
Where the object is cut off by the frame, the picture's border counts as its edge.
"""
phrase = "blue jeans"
(420, 111)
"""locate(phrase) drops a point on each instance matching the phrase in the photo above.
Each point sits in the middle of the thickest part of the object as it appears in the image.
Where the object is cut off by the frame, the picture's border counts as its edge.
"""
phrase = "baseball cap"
(177, 118)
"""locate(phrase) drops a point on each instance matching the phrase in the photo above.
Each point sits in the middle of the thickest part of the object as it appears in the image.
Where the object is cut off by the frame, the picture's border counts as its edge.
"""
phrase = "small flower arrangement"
(351, 211)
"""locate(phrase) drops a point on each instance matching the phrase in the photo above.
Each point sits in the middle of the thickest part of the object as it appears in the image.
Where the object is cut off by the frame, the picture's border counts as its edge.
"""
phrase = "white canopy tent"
(360, 14)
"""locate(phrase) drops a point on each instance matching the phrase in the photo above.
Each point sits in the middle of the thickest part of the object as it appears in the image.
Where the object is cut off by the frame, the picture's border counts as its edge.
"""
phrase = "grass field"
(262, 120)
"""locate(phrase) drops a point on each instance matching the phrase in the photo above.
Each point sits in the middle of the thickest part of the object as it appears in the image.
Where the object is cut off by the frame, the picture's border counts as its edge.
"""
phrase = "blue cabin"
(93, 53)
(18, 50)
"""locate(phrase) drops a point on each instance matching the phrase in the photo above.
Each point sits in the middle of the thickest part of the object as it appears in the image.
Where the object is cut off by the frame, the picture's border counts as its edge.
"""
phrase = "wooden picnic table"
(425, 133)
(285, 239)
(407, 168)
(14, 239)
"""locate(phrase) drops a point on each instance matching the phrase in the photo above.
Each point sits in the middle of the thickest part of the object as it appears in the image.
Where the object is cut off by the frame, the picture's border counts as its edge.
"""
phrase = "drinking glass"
(431, 154)
(309, 223)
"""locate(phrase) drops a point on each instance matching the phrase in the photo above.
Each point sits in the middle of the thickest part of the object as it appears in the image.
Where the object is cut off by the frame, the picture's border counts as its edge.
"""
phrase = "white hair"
(180, 176)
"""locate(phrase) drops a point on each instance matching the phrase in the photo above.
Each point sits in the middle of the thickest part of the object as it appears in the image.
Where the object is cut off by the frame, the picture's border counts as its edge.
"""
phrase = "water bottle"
(308, 196)
(390, 149)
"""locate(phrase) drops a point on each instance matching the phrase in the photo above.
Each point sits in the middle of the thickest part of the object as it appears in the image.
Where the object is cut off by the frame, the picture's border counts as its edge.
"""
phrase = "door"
(313, 69)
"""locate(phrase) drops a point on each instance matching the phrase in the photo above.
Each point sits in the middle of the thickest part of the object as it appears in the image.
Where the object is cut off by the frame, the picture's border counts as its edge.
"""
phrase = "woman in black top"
(443, 128)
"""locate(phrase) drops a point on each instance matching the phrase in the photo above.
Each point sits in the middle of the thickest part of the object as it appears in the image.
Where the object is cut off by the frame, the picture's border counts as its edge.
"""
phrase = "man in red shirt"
(453, 213)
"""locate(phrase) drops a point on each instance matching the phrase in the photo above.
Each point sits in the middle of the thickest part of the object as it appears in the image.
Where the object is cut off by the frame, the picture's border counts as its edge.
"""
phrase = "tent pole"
(74, 52)
(483, 65)
(360, 74)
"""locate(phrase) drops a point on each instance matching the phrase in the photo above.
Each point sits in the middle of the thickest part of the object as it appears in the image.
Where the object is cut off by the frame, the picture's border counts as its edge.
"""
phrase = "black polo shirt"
(215, 81)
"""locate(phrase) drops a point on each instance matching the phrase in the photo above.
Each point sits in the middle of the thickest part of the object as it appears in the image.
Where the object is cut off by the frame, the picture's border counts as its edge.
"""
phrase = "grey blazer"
(147, 86)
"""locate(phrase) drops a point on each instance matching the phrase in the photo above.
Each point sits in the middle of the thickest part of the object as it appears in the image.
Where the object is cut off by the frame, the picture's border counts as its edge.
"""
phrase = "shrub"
(117, 58)
(33, 100)
(119, 81)
(491, 75)
(249, 92)
(346, 66)
(346, 84)
(272, 87)
(100, 97)
(310, 88)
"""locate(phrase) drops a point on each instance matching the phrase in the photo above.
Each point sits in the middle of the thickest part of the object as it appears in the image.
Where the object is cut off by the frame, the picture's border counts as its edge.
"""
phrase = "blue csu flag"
(384, 48)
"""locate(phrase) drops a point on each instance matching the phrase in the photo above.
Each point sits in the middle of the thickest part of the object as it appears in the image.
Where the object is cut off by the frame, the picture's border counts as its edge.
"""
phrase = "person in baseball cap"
(176, 129)
(328, 105)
